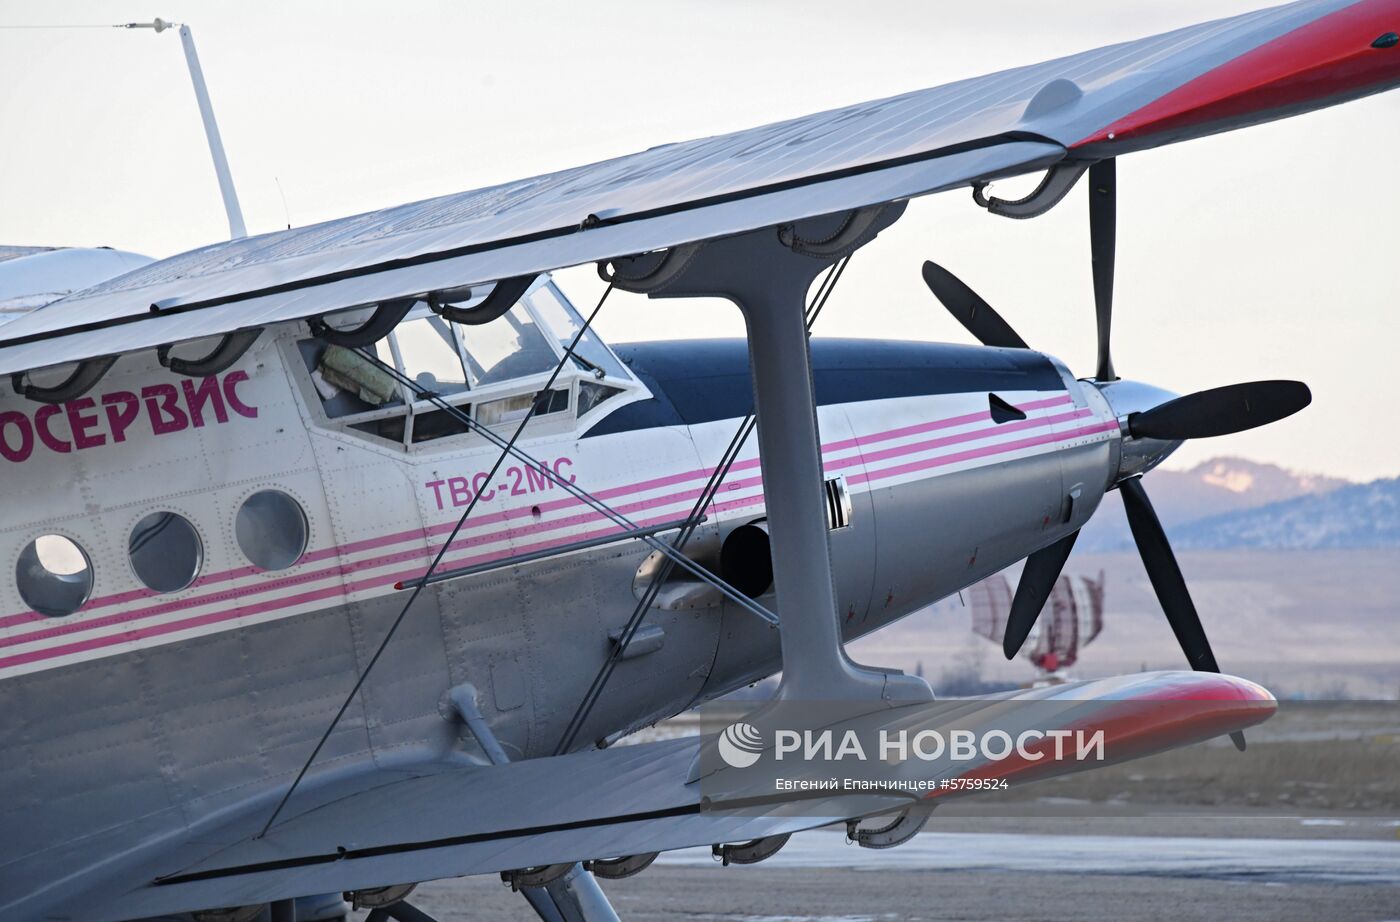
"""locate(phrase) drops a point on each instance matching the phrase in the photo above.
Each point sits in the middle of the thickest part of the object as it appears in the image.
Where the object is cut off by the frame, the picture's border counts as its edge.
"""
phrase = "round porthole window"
(165, 551)
(54, 576)
(271, 530)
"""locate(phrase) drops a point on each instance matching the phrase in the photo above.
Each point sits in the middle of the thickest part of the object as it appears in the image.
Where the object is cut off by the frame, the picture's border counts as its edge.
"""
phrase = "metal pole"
(236, 228)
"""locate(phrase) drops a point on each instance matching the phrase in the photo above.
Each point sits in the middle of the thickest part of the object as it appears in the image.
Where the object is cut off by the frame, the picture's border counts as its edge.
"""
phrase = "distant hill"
(1214, 488)
(1361, 515)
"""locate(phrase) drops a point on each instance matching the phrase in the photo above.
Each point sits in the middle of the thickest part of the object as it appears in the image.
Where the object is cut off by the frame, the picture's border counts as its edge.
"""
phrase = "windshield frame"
(477, 394)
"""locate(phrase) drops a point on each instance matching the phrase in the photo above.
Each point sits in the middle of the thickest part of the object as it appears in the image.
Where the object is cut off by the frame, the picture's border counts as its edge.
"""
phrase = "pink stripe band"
(413, 553)
(379, 541)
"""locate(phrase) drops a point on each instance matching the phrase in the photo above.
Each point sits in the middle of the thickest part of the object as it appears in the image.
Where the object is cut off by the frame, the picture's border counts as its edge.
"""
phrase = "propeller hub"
(1126, 398)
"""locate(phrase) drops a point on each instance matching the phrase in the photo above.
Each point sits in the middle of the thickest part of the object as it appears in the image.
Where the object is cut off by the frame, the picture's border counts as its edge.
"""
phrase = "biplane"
(337, 558)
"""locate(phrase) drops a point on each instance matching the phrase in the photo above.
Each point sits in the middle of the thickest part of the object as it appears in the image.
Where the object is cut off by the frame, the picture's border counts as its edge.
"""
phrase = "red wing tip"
(1208, 686)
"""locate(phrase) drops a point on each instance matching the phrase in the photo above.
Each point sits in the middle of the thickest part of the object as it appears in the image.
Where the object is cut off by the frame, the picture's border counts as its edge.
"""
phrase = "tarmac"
(972, 866)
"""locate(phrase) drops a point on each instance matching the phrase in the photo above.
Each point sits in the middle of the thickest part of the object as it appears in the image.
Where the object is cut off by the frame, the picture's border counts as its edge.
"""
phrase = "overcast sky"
(1264, 253)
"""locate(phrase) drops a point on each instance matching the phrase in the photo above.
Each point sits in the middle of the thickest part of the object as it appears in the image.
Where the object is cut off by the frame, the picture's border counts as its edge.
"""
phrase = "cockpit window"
(590, 394)
(559, 315)
(428, 348)
(345, 373)
(429, 378)
(510, 347)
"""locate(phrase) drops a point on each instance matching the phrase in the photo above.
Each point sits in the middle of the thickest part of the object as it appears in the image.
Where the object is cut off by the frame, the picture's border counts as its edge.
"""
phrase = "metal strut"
(557, 893)
(767, 273)
(707, 495)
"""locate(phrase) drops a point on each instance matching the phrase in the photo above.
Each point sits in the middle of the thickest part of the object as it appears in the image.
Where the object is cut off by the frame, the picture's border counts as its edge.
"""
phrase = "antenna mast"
(236, 228)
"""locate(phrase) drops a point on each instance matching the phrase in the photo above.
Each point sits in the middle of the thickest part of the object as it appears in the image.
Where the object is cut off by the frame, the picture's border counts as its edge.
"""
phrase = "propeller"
(1167, 581)
(1221, 410)
(1218, 411)
(1038, 579)
(968, 308)
(1103, 236)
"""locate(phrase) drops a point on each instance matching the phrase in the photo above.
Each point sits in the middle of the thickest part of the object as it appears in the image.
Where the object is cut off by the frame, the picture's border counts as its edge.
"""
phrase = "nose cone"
(1138, 455)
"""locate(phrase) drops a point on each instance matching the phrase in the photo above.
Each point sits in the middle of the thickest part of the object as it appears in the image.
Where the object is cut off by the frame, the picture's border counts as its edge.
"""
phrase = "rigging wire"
(644, 603)
(541, 396)
(588, 499)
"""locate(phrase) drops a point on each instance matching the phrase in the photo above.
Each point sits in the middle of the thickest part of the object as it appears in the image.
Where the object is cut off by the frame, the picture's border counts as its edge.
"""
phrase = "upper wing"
(31, 277)
(445, 819)
(1197, 80)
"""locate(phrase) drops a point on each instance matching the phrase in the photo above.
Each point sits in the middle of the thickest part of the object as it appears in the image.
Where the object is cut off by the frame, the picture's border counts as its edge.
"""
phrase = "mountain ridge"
(1363, 515)
(1219, 490)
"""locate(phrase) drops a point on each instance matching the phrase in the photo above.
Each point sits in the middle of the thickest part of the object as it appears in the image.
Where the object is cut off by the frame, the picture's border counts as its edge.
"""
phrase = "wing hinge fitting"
(903, 828)
(751, 852)
(218, 360)
(82, 380)
(1054, 186)
(500, 299)
(618, 868)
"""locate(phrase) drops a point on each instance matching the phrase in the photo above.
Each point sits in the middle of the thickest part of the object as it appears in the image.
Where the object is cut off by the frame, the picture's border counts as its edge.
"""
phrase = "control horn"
(1147, 415)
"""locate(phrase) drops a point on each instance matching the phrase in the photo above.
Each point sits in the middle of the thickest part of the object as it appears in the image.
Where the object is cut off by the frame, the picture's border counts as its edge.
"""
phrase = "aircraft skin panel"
(151, 733)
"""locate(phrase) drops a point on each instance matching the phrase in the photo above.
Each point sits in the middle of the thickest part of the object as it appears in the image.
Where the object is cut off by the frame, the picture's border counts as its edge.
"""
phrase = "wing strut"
(571, 895)
(707, 495)
(767, 274)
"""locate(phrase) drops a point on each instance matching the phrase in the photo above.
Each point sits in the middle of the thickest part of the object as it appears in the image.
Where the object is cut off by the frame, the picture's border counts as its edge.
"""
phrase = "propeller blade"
(1037, 580)
(970, 310)
(1221, 410)
(1103, 221)
(1168, 583)
(1165, 575)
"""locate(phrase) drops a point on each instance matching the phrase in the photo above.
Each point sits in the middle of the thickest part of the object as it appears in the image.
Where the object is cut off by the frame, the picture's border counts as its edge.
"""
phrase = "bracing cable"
(644, 603)
(442, 552)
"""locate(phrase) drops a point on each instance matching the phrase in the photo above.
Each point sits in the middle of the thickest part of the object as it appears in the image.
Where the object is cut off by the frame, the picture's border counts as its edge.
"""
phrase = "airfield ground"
(1075, 870)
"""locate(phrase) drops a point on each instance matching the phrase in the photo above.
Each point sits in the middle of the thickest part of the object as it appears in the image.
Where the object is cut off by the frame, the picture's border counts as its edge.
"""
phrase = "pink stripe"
(316, 595)
(377, 581)
(975, 435)
(950, 422)
(344, 569)
(983, 452)
(366, 544)
(481, 521)
(327, 592)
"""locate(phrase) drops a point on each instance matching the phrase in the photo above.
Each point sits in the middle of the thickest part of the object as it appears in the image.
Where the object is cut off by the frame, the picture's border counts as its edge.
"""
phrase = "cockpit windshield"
(559, 315)
(489, 372)
(509, 347)
(428, 350)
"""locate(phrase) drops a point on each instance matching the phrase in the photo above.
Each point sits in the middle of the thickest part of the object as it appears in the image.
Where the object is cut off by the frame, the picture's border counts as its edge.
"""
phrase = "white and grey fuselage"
(283, 511)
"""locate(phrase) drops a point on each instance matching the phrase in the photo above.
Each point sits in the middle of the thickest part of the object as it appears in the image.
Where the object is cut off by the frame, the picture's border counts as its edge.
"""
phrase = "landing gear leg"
(400, 911)
(574, 897)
